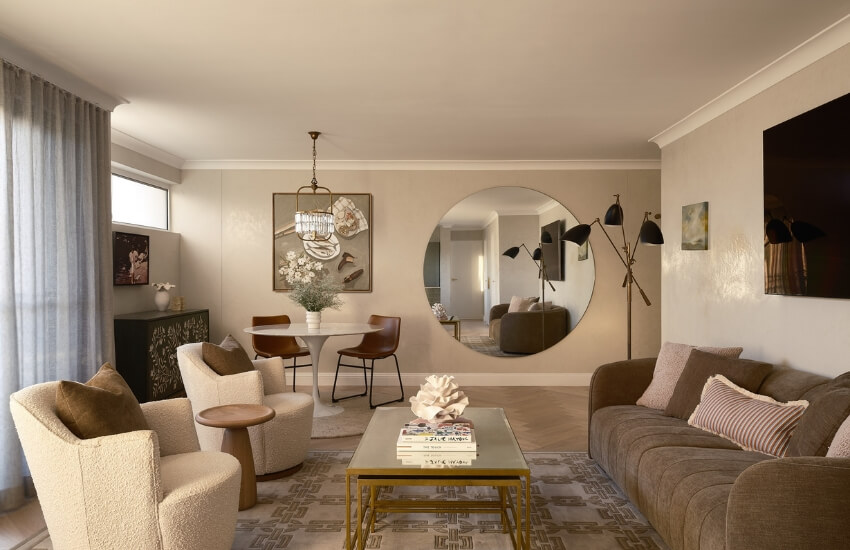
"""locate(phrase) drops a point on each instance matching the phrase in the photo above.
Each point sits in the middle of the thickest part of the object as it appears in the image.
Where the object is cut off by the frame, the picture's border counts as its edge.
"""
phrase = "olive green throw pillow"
(105, 405)
(228, 358)
(700, 367)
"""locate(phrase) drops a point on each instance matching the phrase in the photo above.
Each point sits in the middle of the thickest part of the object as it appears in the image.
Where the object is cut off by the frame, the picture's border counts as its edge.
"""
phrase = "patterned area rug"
(574, 506)
(485, 345)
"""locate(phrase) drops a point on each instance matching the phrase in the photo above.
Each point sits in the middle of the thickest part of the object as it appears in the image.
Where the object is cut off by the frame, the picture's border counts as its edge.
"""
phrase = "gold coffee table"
(499, 464)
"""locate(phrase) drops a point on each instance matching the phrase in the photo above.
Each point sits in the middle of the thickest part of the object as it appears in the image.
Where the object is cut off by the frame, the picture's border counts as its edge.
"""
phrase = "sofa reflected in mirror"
(526, 332)
(466, 273)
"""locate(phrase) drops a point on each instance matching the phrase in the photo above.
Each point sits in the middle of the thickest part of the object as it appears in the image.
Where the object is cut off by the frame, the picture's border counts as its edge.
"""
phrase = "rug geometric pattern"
(574, 505)
(486, 346)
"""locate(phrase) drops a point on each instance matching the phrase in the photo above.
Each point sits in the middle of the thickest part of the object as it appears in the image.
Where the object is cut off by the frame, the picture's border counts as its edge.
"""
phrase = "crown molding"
(139, 146)
(44, 69)
(817, 47)
(424, 165)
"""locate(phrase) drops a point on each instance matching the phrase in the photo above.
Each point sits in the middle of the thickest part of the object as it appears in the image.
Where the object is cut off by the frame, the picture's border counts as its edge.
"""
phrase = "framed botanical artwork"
(130, 258)
(347, 256)
(695, 226)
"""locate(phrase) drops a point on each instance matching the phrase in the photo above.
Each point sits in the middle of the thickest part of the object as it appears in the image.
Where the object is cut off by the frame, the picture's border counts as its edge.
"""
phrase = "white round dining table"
(315, 339)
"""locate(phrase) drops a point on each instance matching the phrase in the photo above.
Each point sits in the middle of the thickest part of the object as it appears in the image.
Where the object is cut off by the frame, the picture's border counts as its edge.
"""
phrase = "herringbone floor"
(552, 418)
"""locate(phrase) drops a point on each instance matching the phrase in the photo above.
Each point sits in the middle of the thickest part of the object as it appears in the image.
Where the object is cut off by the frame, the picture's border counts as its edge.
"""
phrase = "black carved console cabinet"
(145, 349)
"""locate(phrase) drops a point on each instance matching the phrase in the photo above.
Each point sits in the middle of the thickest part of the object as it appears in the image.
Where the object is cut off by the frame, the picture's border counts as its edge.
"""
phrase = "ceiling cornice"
(146, 149)
(423, 165)
(57, 76)
(817, 47)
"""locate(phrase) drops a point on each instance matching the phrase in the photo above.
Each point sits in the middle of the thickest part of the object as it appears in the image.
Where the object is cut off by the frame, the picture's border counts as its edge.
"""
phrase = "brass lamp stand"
(649, 234)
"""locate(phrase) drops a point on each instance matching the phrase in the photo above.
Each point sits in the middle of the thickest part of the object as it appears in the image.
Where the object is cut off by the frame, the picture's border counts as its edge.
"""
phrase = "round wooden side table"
(235, 420)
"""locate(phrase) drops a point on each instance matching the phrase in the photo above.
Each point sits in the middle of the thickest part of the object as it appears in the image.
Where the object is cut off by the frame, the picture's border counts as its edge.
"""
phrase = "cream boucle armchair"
(143, 489)
(279, 444)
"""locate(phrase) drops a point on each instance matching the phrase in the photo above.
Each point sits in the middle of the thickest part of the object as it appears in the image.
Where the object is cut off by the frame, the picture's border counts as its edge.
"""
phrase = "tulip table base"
(315, 339)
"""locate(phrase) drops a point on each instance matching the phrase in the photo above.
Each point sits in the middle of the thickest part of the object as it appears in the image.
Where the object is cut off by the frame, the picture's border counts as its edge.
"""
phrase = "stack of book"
(442, 444)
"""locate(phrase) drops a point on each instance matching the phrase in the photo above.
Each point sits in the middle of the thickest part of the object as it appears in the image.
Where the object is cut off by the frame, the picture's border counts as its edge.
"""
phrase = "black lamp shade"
(545, 237)
(777, 232)
(614, 215)
(650, 233)
(577, 234)
(538, 253)
(511, 252)
(805, 232)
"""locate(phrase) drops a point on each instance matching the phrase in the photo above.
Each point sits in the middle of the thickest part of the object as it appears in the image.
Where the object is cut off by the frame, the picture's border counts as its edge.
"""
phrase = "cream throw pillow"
(519, 304)
(669, 366)
(840, 446)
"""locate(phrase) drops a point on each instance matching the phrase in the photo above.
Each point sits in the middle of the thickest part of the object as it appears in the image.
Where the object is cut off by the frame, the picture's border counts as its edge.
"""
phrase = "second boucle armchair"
(279, 445)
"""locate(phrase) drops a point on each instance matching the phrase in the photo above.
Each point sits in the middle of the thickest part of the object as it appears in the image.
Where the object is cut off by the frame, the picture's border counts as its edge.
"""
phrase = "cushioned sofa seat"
(683, 491)
(621, 435)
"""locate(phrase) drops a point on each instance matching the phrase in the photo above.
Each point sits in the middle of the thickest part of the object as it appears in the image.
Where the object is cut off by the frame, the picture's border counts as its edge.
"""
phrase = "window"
(138, 203)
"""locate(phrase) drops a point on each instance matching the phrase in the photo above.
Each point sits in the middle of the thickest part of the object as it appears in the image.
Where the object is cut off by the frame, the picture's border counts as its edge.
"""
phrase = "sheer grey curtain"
(55, 255)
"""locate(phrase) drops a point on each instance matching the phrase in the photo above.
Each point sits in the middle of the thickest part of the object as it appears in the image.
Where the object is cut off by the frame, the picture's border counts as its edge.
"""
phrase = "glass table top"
(498, 452)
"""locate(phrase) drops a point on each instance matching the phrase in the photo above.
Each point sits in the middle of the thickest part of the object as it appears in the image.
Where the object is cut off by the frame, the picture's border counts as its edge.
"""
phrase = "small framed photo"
(130, 259)
(695, 226)
(582, 252)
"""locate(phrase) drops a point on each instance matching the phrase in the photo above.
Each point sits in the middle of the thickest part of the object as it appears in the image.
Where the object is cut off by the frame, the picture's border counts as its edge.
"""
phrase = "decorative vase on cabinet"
(161, 298)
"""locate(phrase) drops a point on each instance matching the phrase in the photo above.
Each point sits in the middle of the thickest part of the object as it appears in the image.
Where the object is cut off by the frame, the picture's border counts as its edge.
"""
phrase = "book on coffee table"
(443, 442)
(436, 459)
(435, 432)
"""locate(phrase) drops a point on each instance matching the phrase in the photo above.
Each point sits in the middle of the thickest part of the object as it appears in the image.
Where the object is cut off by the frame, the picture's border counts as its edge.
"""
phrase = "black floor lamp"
(537, 256)
(649, 233)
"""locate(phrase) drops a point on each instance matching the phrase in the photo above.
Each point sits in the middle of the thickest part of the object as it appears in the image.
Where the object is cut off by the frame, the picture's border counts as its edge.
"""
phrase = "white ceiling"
(451, 80)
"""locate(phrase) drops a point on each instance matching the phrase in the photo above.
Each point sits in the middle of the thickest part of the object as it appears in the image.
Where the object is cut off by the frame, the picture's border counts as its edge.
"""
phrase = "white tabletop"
(326, 329)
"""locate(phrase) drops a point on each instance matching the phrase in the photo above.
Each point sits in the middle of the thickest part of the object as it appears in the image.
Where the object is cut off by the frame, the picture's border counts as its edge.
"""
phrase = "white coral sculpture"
(439, 399)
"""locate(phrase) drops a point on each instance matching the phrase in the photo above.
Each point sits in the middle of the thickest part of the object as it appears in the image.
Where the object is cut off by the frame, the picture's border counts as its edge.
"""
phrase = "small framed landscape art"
(346, 257)
(695, 226)
(582, 252)
(130, 258)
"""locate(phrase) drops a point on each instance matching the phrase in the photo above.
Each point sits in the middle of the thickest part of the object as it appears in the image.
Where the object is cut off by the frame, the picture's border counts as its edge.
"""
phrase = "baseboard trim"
(462, 379)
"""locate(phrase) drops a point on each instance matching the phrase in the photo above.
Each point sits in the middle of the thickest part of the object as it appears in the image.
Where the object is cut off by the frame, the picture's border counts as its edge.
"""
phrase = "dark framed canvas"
(130, 259)
(347, 257)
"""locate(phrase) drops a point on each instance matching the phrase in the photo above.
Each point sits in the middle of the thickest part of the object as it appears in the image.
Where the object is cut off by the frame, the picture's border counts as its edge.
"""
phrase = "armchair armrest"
(497, 311)
(245, 387)
(800, 502)
(273, 374)
(120, 479)
(619, 383)
(174, 424)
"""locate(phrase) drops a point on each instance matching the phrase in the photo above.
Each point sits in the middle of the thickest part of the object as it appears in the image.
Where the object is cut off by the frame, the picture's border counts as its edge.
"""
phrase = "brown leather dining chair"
(375, 345)
(285, 347)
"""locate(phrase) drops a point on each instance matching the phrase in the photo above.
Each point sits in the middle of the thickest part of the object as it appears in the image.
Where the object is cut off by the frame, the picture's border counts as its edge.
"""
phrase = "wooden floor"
(543, 419)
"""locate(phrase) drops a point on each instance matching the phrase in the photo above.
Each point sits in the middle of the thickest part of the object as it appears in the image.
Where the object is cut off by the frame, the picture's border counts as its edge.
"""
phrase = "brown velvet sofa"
(702, 492)
(519, 331)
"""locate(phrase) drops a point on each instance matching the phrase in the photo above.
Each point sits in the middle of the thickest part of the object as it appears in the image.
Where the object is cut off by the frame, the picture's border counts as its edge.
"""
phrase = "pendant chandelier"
(316, 224)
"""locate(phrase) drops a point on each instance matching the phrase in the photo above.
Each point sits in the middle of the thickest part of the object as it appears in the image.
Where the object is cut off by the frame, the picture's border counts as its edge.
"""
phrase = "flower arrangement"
(163, 286)
(311, 289)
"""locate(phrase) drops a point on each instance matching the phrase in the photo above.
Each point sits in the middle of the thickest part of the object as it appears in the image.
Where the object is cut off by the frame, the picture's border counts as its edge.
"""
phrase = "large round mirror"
(498, 276)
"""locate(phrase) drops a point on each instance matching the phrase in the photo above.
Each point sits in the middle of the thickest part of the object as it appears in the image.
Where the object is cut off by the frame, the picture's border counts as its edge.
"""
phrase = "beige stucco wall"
(717, 296)
(224, 218)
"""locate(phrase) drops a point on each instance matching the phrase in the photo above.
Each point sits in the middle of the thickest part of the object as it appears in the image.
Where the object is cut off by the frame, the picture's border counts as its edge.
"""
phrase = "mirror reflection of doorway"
(467, 297)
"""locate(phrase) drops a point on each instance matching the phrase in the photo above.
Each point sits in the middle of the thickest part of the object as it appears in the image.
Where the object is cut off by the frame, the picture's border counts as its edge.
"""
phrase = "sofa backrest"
(787, 384)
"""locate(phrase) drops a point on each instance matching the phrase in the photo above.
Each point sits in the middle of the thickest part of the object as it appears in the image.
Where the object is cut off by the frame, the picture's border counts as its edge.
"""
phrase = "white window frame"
(137, 180)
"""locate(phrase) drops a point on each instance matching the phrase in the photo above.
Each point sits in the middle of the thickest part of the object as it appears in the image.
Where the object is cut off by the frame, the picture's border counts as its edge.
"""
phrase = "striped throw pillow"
(754, 422)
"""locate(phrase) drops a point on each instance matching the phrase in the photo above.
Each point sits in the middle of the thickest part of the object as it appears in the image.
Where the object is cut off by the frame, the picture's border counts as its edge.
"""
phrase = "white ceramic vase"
(161, 299)
(314, 320)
